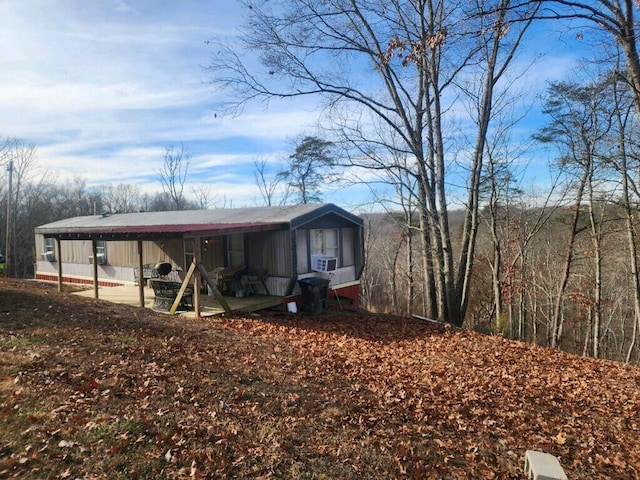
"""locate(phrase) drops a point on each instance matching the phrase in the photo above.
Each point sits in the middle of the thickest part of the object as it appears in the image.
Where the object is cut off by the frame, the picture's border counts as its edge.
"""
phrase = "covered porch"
(209, 306)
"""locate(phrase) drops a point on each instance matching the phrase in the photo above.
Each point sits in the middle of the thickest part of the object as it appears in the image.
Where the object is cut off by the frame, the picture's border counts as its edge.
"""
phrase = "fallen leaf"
(168, 456)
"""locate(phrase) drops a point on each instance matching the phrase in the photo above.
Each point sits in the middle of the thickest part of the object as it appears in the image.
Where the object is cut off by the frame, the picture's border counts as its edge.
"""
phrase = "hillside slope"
(94, 390)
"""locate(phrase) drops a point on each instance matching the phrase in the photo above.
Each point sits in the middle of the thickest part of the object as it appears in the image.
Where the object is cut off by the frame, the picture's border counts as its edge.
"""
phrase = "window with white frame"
(325, 241)
(101, 247)
(101, 251)
(49, 253)
(50, 245)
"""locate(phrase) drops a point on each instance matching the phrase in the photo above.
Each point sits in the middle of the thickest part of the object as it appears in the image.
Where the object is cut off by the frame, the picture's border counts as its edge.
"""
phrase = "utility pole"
(7, 252)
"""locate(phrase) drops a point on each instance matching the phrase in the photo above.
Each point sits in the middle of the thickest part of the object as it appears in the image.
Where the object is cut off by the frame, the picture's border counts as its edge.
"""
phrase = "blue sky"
(103, 87)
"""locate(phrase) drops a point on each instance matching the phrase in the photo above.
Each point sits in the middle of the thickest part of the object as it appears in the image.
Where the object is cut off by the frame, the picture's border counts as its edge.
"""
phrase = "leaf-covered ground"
(93, 390)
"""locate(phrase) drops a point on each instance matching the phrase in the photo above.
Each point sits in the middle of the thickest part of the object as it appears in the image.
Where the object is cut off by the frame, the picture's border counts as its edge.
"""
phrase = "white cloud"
(102, 87)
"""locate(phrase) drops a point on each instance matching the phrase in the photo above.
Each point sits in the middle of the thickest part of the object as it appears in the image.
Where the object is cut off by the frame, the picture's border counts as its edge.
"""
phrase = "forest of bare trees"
(559, 269)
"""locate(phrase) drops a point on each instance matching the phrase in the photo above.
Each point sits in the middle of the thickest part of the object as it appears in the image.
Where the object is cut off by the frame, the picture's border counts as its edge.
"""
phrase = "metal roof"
(197, 222)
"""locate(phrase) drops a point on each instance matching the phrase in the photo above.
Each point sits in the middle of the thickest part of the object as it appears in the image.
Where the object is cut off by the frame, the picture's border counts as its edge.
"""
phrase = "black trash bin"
(315, 292)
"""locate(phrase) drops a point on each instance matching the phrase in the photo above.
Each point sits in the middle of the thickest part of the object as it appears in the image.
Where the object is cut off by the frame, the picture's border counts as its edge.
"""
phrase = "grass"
(21, 341)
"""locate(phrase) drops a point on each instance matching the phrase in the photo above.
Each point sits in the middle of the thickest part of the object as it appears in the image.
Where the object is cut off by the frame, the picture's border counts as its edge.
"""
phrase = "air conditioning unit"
(322, 263)
(102, 259)
(49, 256)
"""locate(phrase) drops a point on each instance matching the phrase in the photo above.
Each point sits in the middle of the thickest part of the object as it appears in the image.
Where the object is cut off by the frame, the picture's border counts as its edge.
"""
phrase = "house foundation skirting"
(350, 291)
(340, 297)
(47, 277)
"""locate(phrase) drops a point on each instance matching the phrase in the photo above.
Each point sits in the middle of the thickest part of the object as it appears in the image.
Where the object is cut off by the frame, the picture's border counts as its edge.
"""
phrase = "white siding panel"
(270, 250)
(277, 285)
(301, 245)
(336, 278)
(105, 272)
(348, 246)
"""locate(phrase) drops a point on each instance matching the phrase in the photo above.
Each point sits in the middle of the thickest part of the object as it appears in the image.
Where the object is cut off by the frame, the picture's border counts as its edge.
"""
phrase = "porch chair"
(165, 293)
(228, 279)
(254, 280)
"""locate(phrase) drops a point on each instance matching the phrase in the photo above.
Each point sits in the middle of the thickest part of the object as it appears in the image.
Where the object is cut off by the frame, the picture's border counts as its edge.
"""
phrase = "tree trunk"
(596, 308)
(556, 323)
(409, 257)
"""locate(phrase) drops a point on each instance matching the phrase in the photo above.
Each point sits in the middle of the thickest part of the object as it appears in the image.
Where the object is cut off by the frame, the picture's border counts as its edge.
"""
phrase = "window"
(189, 252)
(235, 248)
(49, 253)
(49, 245)
(325, 241)
(101, 248)
(101, 252)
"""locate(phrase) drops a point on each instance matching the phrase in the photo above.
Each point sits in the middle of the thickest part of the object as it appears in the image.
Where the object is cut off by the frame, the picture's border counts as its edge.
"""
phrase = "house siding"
(122, 256)
(348, 247)
(122, 253)
(270, 250)
(169, 250)
(213, 253)
(302, 250)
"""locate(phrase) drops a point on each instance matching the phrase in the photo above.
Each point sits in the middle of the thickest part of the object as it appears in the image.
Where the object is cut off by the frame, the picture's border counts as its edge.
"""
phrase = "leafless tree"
(625, 162)
(203, 196)
(19, 158)
(173, 174)
(617, 18)
(267, 183)
(123, 198)
(396, 62)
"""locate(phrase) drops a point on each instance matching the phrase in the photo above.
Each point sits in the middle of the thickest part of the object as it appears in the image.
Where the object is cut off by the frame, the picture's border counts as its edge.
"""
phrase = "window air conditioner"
(49, 256)
(322, 263)
(102, 259)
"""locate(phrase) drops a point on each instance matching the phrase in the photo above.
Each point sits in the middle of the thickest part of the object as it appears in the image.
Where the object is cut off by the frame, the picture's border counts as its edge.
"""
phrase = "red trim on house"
(352, 292)
(79, 281)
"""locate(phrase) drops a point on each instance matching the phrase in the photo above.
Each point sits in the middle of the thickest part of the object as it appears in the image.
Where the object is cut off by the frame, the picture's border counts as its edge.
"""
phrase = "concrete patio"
(129, 295)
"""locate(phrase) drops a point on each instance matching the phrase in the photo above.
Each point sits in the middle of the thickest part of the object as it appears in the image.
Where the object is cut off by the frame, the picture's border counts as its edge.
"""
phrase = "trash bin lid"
(314, 281)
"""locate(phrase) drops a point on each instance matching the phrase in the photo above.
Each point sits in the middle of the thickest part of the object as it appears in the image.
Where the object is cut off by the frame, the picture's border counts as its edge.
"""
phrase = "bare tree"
(617, 18)
(625, 163)
(267, 183)
(173, 175)
(123, 198)
(203, 197)
(414, 53)
(579, 122)
(19, 158)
